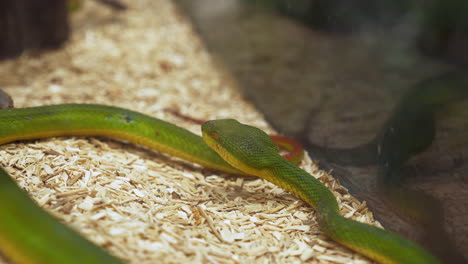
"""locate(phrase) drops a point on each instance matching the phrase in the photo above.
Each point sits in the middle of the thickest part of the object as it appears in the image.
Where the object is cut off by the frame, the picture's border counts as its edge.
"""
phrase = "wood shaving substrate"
(140, 205)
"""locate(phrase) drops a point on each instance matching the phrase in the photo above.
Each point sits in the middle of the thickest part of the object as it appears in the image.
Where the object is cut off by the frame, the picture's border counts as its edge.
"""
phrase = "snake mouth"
(212, 139)
(211, 142)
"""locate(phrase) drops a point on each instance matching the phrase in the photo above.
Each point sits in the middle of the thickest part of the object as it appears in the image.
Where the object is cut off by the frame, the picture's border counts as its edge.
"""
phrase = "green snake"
(227, 146)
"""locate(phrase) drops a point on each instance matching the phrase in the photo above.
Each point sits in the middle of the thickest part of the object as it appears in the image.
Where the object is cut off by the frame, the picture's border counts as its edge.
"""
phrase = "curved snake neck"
(378, 244)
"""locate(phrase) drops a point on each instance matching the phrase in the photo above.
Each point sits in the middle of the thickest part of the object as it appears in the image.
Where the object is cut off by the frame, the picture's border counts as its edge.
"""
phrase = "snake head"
(242, 146)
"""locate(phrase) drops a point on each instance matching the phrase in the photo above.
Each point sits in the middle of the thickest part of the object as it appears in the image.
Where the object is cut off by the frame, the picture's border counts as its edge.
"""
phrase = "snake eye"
(215, 135)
